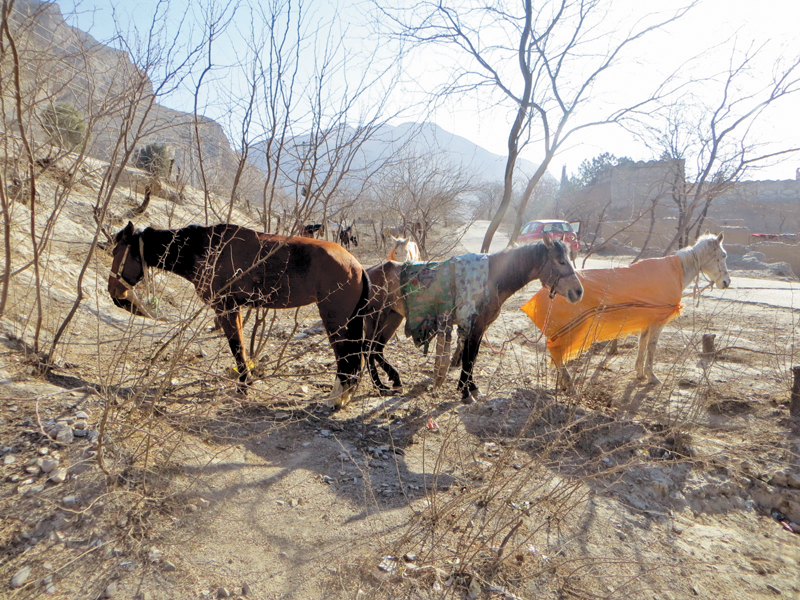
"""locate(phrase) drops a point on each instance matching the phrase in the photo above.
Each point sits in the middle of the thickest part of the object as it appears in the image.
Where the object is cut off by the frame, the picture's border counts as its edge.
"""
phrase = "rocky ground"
(131, 469)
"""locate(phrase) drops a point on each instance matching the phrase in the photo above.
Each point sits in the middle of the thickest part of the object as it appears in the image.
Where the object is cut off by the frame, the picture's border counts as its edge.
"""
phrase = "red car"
(560, 230)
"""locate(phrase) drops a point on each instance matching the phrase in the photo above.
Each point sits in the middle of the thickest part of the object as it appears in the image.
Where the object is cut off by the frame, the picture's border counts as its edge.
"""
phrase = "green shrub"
(65, 125)
(153, 158)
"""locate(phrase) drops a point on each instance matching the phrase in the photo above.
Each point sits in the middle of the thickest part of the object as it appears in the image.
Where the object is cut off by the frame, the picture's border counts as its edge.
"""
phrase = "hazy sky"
(772, 22)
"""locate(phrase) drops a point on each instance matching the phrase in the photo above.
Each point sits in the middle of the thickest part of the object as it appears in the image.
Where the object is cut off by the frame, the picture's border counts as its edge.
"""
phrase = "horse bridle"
(553, 286)
(118, 275)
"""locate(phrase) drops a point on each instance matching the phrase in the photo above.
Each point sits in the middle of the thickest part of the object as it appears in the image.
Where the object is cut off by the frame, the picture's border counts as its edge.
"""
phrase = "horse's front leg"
(472, 344)
(564, 379)
(230, 319)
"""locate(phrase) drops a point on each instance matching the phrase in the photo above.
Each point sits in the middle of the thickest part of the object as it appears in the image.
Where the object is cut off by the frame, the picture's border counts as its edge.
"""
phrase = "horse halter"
(118, 274)
(553, 286)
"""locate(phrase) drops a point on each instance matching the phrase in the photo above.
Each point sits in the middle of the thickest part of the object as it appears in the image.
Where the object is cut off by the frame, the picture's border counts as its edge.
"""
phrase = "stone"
(82, 415)
(9, 459)
(168, 566)
(223, 593)
(59, 475)
(80, 467)
(780, 478)
(110, 590)
(245, 589)
(47, 464)
(50, 589)
(20, 577)
(69, 501)
(203, 503)
(64, 434)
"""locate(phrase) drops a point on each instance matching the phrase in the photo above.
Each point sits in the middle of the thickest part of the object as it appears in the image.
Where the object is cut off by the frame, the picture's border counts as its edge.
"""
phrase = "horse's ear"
(548, 241)
(129, 230)
(720, 236)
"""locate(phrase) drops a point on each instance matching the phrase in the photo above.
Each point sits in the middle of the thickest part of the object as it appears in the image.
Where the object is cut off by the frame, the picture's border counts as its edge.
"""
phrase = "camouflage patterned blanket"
(447, 292)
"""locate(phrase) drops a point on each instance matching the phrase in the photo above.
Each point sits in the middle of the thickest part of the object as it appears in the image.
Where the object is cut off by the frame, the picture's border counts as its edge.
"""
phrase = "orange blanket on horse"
(616, 302)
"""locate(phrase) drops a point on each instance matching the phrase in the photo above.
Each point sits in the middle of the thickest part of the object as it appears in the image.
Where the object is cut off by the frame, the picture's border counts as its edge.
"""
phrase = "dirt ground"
(133, 470)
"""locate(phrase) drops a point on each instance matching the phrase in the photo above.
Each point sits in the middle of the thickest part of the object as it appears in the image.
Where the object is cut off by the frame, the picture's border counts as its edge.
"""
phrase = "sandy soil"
(181, 489)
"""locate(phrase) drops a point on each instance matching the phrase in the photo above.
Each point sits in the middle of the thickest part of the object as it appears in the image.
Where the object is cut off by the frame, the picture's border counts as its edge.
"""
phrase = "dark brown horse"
(232, 266)
(509, 271)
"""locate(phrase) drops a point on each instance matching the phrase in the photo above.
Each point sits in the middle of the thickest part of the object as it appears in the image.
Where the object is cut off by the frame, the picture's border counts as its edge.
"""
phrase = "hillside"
(131, 468)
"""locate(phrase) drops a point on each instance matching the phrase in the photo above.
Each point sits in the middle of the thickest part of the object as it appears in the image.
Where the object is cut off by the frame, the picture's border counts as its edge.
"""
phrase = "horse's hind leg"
(644, 337)
(456, 360)
(651, 352)
(472, 344)
(444, 338)
(346, 335)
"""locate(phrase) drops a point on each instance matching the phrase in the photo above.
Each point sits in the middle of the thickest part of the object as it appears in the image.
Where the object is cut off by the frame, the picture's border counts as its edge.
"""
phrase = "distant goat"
(347, 236)
(313, 230)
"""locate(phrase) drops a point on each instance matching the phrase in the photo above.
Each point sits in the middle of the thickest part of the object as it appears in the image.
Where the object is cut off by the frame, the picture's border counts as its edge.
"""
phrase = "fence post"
(794, 406)
(709, 351)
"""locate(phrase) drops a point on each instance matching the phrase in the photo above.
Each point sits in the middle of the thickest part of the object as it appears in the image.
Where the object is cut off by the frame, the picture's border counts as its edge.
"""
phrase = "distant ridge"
(422, 140)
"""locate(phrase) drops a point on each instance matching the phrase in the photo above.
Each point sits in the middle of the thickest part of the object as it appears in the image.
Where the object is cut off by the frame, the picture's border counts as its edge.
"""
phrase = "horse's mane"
(695, 254)
(176, 250)
(519, 261)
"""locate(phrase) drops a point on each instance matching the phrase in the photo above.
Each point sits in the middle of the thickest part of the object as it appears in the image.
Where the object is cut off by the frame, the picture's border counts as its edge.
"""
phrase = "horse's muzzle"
(575, 294)
(571, 288)
(116, 290)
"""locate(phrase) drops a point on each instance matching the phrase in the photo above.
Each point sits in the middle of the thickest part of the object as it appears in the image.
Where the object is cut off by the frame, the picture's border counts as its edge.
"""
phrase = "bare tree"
(716, 132)
(419, 191)
(561, 49)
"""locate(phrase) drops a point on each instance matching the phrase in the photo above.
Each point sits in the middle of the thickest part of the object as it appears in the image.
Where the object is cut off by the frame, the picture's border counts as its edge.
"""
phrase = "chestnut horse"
(509, 271)
(232, 266)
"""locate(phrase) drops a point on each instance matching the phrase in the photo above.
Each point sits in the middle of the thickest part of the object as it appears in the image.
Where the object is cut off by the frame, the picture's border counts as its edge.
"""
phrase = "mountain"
(65, 64)
(62, 64)
(388, 144)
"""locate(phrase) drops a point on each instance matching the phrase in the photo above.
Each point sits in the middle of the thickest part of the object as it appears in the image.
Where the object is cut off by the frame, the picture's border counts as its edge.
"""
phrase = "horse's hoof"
(467, 398)
(390, 391)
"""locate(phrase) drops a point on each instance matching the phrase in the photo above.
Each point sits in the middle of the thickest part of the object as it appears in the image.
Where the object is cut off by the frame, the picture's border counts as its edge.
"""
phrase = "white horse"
(404, 250)
(706, 256)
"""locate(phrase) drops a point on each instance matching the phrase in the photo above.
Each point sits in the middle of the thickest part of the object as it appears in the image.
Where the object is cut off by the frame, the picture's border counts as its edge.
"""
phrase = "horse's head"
(712, 259)
(557, 272)
(398, 251)
(126, 268)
